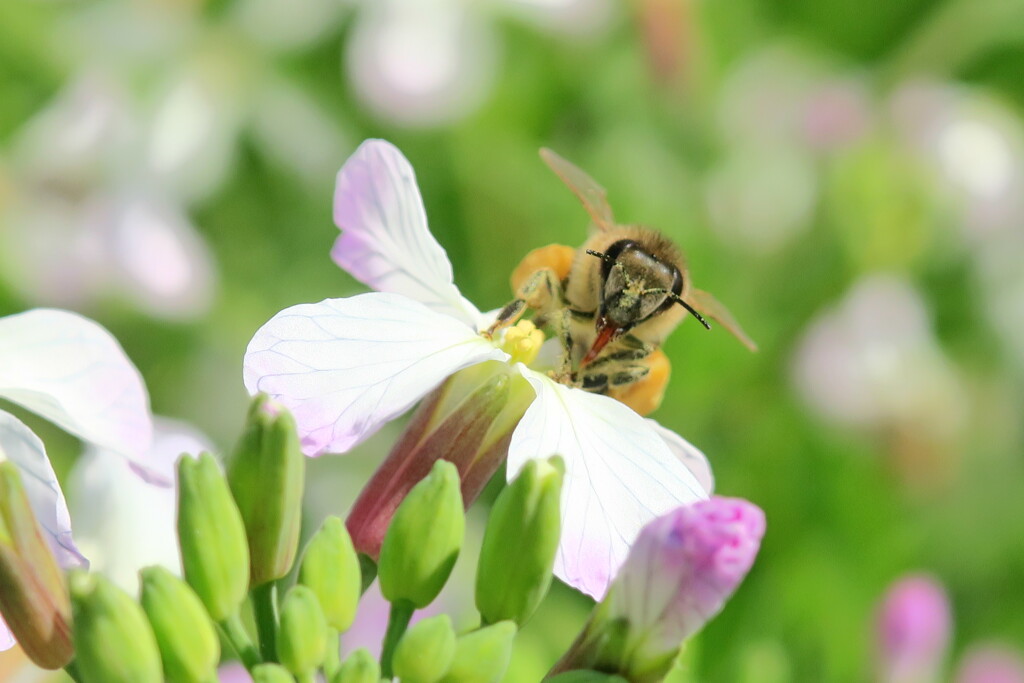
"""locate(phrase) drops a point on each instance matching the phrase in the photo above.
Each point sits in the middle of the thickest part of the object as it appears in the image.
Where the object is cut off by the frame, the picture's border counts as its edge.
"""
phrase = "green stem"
(332, 660)
(264, 603)
(306, 677)
(235, 634)
(398, 621)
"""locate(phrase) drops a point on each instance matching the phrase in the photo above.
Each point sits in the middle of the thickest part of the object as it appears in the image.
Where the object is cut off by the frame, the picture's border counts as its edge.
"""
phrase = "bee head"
(636, 286)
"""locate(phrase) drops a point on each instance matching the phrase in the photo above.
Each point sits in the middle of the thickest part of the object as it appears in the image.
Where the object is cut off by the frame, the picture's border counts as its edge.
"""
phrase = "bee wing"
(709, 306)
(590, 193)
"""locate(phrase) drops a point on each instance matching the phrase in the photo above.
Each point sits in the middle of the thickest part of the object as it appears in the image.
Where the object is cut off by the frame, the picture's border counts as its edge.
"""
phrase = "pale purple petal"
(73, 372)
(23, 448)
(123, 523)
(691, 456)
(619, 475)
(992, 663)
(344, 367)
(914, 628)
(384, 241)
(233, 673)
(682, 569)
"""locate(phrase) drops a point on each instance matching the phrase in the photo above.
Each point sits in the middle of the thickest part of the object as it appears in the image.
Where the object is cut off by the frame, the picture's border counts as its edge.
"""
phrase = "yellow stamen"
(522, 342)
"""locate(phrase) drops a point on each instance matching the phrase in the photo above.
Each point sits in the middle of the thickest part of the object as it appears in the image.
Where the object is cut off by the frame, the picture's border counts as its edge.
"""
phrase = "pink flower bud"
(914, 627)
(679, 573)
(992, 664)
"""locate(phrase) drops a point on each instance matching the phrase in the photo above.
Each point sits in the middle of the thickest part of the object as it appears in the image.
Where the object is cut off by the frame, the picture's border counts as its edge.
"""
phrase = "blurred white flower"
(873, 362)
(123, 523)
(71, 371)
(780, 112)
(430, 62)
(96, 188)
(976, 147)
(762, 196)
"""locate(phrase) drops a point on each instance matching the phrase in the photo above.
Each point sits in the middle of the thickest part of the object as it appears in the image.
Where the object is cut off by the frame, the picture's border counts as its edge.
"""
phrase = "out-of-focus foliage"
(847, 177)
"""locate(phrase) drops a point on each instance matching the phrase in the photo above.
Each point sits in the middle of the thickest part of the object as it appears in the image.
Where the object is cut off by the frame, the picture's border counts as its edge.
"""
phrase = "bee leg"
(628, 375)
(595, 382)
(634, 348)
(621, 356)
(508, 315)
(540, 292)
(564, 331)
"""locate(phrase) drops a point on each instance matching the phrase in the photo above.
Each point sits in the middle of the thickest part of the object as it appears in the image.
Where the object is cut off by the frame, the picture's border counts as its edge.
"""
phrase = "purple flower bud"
(992, 664)
(914, 627)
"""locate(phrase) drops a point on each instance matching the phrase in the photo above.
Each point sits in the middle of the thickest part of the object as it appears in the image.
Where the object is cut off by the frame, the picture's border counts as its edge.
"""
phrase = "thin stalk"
(235, 634)
(332, 660)
(398, 622)
(264, 603)
(368, 570)
(72, 670)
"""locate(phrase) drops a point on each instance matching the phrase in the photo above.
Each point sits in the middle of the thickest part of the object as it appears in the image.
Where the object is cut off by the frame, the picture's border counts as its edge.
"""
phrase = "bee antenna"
(679, 300)
(598, 254)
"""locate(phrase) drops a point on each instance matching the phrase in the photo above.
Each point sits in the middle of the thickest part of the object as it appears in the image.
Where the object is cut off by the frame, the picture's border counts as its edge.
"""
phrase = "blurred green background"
(847, 177)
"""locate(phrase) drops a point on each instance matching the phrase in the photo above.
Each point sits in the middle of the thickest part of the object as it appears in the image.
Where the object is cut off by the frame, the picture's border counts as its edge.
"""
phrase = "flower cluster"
(612, 503)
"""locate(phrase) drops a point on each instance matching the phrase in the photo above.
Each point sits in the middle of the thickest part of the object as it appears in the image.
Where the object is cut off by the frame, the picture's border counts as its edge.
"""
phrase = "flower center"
(522, 342)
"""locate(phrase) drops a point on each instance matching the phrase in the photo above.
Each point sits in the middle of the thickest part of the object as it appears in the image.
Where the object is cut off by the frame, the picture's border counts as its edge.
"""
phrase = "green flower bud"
(330, 567)
(271, 673)
(519, 545)
(214, 553)
(267, 474)
(360, 667)
(423, 541)
(184, 633)
(33, 597)
(426, 651)
(585, 677)
(482, 656)
(302, 639)
(113, 641)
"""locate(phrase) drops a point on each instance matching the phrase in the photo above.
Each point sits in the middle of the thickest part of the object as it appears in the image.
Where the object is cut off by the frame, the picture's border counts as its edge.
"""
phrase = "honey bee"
(612, 301)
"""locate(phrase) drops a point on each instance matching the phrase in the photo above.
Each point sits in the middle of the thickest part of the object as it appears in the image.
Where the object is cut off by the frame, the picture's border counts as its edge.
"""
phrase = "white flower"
(71, 371)
(344, 367)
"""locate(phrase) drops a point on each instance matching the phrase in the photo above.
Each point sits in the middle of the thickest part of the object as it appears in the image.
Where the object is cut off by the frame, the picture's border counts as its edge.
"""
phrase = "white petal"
(344, 367)
(385, 241)
(19, 445)
(7, 640)
(123, 523)
(691, 456)
(619, 475)
(74, 373)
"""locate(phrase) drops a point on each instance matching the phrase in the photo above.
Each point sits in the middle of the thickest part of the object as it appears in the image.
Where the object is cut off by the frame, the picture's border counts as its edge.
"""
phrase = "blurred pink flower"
(991, 664)
(914, 628)
(345, 367)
